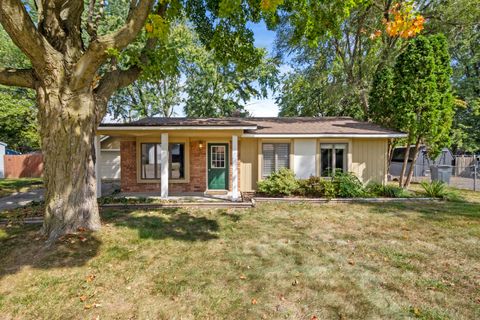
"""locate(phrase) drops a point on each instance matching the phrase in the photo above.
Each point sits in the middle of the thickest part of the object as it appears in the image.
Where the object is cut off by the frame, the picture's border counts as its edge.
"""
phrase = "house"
(230, 155)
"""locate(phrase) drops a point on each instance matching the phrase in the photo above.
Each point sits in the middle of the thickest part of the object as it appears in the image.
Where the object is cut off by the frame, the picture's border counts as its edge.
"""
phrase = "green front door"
(218, 166)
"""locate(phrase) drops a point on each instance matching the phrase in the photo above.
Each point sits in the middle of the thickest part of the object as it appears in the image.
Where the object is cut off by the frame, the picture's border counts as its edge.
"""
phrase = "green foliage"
(347, 185)
(18, 124)
(188, 74)
(375, 189)
(279, 183)
(316, 187)
(435, 189)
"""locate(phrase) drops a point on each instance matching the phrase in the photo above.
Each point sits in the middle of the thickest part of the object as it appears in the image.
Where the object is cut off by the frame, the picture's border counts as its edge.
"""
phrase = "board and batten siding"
(369, 159)
(248, 165)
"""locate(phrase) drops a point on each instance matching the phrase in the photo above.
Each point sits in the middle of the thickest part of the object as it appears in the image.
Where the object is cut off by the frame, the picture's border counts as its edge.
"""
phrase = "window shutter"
(268, 159)
(282, 155)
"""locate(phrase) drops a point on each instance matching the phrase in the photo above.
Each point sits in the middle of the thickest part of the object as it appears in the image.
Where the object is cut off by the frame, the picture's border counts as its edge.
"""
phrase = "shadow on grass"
(431, 210)
(21, 246)
(171, 223)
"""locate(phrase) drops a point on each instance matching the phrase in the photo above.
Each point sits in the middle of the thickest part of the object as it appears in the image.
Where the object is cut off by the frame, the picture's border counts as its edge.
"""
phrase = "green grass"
(275, 261)
(9, 186)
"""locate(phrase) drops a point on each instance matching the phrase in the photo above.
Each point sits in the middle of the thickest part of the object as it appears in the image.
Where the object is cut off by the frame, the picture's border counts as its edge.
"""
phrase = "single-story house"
(230, 155)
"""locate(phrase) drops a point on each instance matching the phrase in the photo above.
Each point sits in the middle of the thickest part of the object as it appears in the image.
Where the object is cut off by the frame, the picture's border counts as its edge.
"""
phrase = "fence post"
(2, 159)
(474, 172)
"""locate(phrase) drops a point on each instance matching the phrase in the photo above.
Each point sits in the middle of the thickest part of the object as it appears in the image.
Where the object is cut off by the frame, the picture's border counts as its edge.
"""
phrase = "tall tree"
(76, 67)
(422, 100)
(333, 77)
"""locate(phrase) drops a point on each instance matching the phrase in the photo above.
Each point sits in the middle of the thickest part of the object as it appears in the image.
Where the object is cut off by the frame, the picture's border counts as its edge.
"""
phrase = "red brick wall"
(24, 165)
(128, 171)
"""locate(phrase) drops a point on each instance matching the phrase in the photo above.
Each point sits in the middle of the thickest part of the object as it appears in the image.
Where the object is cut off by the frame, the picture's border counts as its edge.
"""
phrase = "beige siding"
(369, 159)
(111, 143)
(248, 164)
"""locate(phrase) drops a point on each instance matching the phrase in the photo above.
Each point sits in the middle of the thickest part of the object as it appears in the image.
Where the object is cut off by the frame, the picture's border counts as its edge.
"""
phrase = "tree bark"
(69, 168)
(405, 162)
(410, 171)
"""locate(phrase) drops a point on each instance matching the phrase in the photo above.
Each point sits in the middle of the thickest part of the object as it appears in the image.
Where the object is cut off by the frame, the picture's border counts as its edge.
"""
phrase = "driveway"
(21, 199)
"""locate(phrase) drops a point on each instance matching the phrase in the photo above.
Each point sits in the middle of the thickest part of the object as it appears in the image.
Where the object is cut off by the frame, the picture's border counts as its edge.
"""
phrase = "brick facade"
(197, 168)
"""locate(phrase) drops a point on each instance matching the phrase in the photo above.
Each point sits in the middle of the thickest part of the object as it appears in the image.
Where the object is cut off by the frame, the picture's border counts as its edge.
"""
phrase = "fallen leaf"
(82, 239)
(254, 301)
(97, 305)
(81, 229)
(87, 306)
(282, 297)
(351, 262)
(243, 277)
(90, 278)
(83, 298)
(295, 282)
(314, 318)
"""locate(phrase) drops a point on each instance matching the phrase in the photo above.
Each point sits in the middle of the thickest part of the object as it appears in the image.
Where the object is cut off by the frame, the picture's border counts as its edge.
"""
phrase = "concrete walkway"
(21, 199)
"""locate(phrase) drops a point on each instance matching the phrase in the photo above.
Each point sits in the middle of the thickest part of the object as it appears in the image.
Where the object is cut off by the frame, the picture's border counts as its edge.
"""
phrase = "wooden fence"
(23, 165)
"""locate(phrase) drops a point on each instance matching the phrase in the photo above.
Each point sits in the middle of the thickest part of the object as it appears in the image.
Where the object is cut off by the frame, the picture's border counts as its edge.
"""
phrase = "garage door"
(110, 164)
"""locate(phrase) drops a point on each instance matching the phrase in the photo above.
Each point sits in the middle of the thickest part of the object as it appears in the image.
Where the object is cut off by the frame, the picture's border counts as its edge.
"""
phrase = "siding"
(305, 158)
(369, 158)
(110, 164)
(248, 164)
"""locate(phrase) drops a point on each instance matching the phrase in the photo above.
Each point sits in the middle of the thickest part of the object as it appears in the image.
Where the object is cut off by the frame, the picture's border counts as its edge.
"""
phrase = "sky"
(263, 107)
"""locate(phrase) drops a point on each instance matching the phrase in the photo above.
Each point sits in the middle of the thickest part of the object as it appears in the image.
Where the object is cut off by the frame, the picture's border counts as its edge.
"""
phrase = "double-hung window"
(275, 157)
(150, 161)
(333, 158)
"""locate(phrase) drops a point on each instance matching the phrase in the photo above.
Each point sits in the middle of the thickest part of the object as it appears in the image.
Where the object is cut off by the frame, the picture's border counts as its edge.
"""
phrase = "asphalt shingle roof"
(290, 125)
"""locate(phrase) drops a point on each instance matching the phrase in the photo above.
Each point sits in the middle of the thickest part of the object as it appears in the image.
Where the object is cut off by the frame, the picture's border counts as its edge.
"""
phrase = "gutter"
(324, 135)
(157, 128)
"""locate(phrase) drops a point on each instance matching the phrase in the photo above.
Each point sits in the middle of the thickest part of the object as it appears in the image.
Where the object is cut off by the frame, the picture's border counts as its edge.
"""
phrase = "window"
(333, 158)
(217, 157)
(275, 157)
(177, 161)
(150, 161)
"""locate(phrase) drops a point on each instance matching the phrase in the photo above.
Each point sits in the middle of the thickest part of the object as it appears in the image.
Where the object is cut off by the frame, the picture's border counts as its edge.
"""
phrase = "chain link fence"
(462, 173)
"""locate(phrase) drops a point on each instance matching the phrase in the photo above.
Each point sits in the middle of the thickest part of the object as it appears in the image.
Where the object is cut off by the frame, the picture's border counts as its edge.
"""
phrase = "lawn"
(276, 261)
(9, 186)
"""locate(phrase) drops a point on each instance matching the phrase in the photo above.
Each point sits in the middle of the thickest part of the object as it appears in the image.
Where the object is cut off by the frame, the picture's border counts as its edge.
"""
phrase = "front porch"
(176, 164)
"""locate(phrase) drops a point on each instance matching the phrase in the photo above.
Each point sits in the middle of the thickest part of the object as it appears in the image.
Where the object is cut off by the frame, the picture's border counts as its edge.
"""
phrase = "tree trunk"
(405, 162)
(68, 150)
(410, 171)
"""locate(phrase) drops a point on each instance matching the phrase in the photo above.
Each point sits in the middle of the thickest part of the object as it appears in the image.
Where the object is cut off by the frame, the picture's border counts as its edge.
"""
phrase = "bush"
(316, 187)
(378, 190)
(282, 182)
(347, 185)
(435, 189)
(438, 189)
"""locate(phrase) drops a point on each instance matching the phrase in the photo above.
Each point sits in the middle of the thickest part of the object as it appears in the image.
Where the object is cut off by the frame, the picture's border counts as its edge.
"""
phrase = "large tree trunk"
(69, 169)
(410, 171)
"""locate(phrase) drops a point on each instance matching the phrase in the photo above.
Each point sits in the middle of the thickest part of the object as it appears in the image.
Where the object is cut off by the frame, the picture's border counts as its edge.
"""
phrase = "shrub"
(347, 185)
(435, 189)
(282, 182)
(316, 187)
(390, 191)
(438, 189)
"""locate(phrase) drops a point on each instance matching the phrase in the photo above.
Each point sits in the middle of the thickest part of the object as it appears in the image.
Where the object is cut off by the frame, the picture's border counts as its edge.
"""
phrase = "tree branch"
(22, 31)
(17, 77)
(114, 80)
(96, 53)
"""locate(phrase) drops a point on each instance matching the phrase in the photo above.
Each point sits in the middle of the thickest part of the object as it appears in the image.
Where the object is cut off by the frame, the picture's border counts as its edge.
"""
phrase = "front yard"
(276, 261)
(10, 186)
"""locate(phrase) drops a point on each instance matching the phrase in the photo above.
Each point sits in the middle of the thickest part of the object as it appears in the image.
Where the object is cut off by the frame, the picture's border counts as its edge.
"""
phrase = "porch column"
(98, 174)
(234, 168)
(164, 167)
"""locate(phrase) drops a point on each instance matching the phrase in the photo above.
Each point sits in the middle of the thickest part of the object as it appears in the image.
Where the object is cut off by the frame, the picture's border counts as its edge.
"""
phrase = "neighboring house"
(230, 155)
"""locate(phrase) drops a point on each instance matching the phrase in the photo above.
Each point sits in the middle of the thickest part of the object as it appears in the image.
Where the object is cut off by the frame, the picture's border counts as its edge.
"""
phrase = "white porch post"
(234, 168)
(2, 163)
(164, 167)
(98, 174)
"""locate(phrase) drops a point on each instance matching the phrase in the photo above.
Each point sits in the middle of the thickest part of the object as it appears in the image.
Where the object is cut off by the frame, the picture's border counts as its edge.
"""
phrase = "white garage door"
(110, 164)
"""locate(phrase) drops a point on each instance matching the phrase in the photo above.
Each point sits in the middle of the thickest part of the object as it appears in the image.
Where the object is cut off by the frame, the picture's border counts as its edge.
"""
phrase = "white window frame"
(275, 157)
(333, 148)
